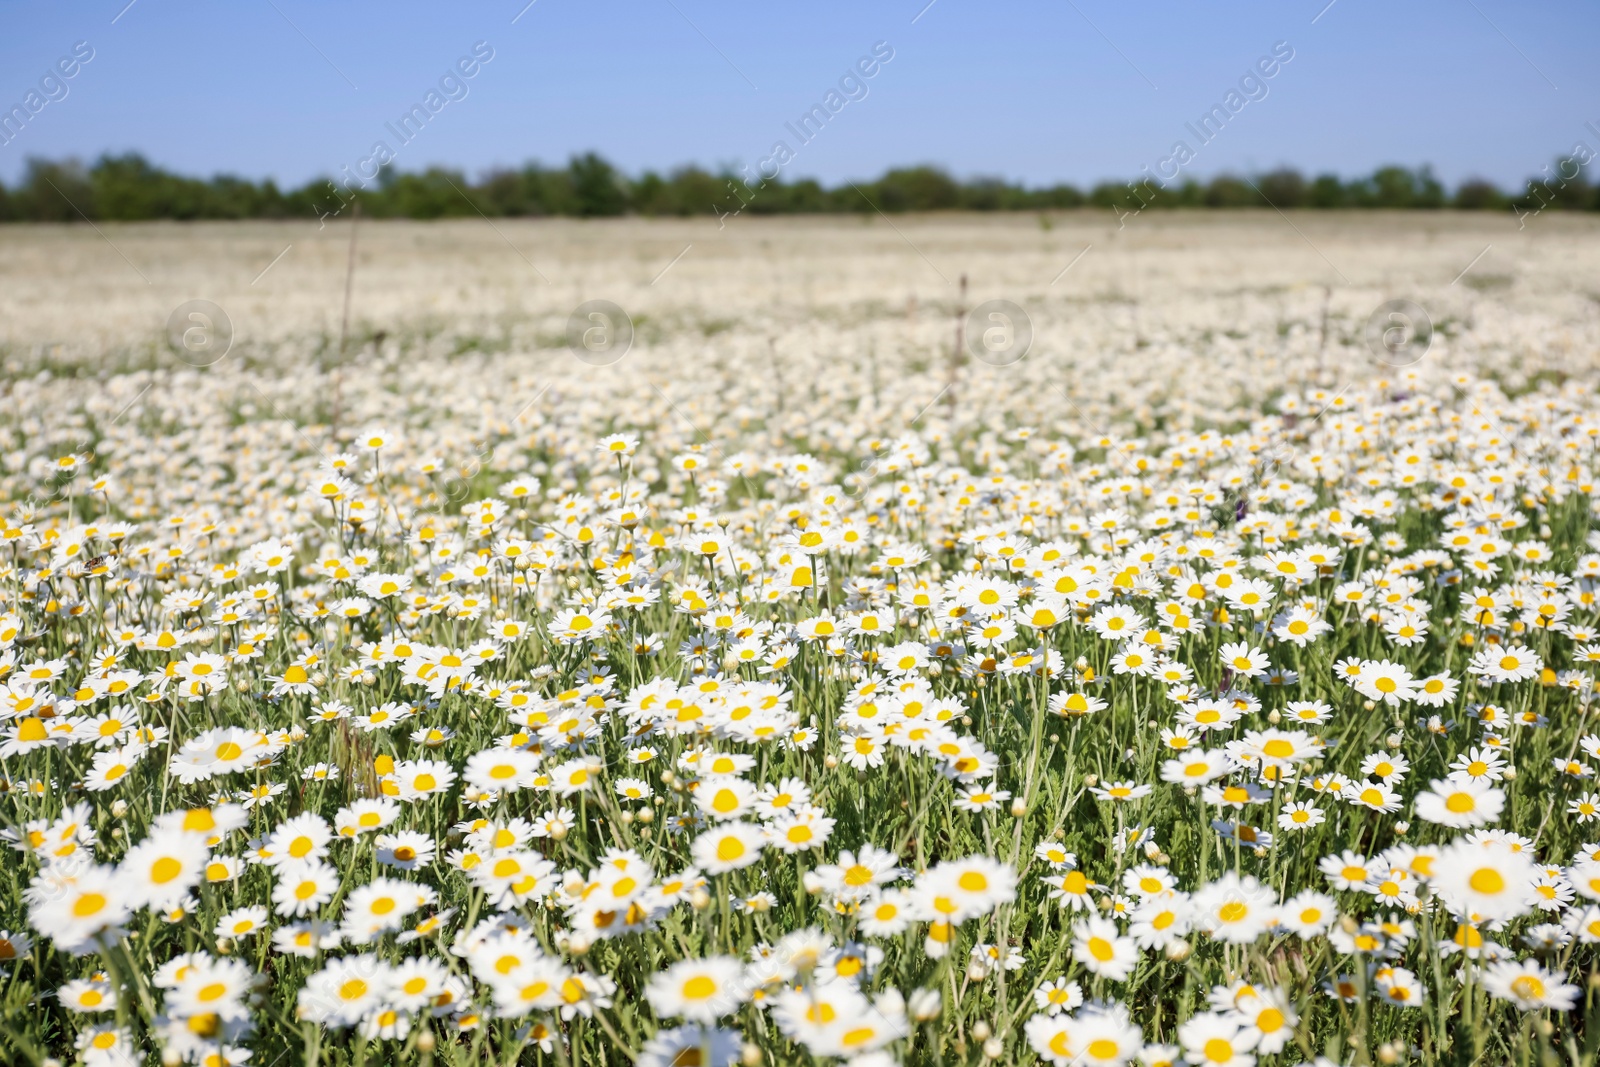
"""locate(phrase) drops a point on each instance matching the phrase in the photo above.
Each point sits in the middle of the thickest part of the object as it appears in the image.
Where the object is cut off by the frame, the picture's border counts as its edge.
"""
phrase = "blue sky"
(1071, 90)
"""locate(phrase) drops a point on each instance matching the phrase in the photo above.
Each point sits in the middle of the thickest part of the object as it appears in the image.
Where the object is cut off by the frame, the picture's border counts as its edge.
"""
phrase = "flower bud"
(925, 1005)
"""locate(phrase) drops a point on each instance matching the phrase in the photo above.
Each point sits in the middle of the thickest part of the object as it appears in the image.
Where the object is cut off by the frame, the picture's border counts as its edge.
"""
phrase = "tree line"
(130, 188)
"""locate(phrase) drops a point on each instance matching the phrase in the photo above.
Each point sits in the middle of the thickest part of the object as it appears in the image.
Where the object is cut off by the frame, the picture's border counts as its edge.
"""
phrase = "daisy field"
(863, 649)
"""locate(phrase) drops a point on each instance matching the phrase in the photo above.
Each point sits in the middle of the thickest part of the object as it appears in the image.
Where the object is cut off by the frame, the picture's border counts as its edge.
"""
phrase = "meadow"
(1194, 664)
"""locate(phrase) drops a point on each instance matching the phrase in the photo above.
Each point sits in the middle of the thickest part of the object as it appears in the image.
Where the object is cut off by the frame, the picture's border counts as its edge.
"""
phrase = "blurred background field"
(92, 296)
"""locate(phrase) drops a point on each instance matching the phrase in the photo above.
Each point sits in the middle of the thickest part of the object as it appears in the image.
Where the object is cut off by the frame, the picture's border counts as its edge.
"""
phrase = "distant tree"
(1398, 187)
(596, 187)
(1110, 194)
(56, 192)
(1283, 188)
(549, 191)
(1428, 192)
(1327, 191)
(1061, 196)
(1227, 191)
(501, 192)
(650, 195)
(1188, 193)
(436, 193)
(1475, 194)
(809, 197)
(918, 189)
(1563, 185)
(983, 194)
(129, 187)
(693, 191)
